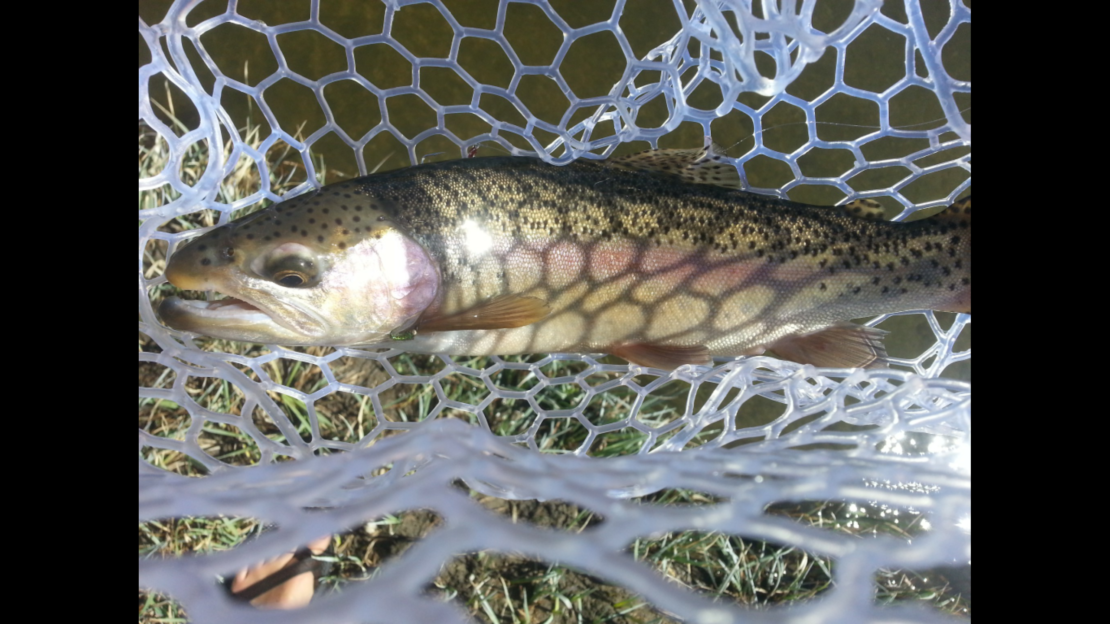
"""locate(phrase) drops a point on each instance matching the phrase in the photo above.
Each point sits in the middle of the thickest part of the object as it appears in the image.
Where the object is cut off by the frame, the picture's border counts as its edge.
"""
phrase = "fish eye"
(292, 271)
(291, 280)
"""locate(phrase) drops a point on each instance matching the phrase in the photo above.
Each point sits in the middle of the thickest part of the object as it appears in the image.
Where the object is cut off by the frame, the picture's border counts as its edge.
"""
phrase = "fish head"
(290, 285)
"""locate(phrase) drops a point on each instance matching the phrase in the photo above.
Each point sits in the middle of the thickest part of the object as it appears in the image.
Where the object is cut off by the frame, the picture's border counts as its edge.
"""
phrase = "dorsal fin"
(697, 166)
(503, 312)
(865, 209)
(959, 212)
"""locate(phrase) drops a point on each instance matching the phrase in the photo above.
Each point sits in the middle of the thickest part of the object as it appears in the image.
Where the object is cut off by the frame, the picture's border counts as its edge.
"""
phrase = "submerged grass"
(492, 587)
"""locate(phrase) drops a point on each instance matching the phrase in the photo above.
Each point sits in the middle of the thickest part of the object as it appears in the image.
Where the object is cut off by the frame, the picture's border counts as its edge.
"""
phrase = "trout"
(657, 258)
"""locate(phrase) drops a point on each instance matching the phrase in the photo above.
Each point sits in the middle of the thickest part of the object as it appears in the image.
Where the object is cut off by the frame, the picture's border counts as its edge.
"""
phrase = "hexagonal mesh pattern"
(751, 432)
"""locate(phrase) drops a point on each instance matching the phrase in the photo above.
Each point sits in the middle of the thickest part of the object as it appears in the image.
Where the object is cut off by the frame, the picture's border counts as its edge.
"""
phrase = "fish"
(658, 258)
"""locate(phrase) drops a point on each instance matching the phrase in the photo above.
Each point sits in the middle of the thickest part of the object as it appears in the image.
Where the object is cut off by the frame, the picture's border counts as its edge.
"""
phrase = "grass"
(492, 587)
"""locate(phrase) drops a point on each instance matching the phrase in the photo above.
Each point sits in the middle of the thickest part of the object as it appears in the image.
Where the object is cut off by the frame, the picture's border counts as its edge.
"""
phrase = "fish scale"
(652, 258)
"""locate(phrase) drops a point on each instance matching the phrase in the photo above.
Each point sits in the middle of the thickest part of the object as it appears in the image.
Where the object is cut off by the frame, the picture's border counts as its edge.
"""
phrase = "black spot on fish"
(339, 221)
(250, 236)
(357, 219)
(202, 247)
(325, 211)
(886, 289)
(966, 281)
(875, 281)
(304, 232)
(346, 232)
(342, 245)
(823, 287)
(855, 291)
(320, 239)
(206, 261)
(312, 220)
(310, 210)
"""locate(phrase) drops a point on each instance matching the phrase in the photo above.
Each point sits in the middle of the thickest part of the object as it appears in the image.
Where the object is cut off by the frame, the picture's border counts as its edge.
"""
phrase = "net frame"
(886, 407)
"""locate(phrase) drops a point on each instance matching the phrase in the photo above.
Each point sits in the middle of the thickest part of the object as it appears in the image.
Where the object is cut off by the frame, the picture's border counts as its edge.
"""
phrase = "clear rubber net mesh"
(817, 102)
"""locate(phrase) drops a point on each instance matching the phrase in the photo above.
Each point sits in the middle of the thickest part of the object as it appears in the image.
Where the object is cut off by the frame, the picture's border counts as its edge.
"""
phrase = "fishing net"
(817, 102)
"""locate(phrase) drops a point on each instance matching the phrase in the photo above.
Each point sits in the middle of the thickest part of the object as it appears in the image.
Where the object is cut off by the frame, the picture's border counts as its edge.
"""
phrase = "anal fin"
(503, 312)
(845, 345)
(662, 356)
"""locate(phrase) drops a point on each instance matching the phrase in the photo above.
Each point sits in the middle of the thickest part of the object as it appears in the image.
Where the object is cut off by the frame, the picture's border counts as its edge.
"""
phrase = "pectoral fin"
(660, 356)
(504, 312)
(841, 346)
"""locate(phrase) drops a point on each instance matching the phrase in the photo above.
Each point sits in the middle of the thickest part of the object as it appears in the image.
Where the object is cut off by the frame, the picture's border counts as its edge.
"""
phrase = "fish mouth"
(220, 309)
(252, 314)
(230, 318)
